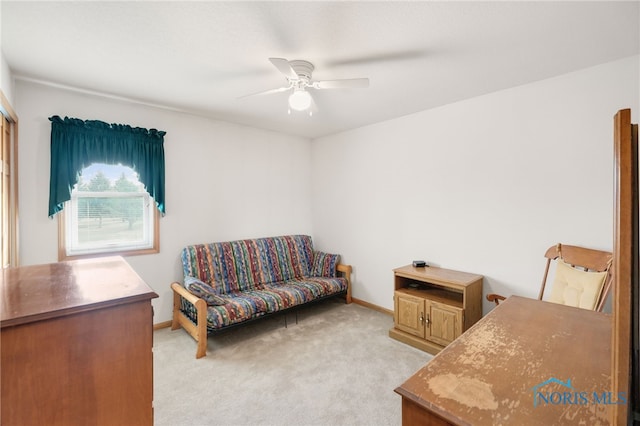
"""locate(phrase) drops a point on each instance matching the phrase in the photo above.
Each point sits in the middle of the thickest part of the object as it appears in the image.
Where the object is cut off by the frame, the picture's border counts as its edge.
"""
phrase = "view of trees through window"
(109, 209)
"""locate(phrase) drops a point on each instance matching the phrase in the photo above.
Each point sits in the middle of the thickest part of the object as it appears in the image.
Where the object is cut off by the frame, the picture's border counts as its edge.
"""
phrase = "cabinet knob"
(426, 320)
(423, 319)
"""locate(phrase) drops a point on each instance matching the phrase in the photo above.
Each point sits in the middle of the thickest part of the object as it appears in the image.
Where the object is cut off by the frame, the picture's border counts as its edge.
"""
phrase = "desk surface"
(34, 293)
(492, 373)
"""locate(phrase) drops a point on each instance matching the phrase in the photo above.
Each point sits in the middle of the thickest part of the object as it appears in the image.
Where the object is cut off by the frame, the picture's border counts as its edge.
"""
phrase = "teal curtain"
(76, 144)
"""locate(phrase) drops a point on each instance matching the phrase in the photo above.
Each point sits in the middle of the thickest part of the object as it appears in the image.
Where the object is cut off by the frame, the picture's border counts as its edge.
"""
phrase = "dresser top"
(38, 292)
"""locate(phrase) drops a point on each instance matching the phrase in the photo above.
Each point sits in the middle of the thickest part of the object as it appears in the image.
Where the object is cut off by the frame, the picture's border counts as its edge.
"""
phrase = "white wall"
(6, 79)
(485, 185)
(222, 181)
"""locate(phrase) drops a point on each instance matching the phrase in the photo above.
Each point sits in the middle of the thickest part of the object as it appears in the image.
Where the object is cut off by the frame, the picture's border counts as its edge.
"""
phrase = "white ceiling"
(201, 56)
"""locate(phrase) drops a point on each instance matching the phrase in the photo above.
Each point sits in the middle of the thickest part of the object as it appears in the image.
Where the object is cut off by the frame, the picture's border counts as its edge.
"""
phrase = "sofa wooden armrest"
(346, 273)
(197, 331)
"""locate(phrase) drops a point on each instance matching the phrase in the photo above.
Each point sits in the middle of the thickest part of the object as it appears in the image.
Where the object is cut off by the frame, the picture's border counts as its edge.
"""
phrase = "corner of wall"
(6, 78)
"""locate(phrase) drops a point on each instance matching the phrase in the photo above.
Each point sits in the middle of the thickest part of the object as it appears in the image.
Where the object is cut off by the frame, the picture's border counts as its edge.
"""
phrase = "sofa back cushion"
(245, 265)
(324, 264)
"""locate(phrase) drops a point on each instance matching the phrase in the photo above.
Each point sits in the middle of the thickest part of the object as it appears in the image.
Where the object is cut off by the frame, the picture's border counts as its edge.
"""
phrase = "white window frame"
(70, 248)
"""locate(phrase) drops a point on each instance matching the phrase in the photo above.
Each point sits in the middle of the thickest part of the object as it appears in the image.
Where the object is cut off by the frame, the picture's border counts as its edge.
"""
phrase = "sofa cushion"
(324, 264)
(238, 309)
(245, 265)
(203, 291)
(243, 306)
(246, 305)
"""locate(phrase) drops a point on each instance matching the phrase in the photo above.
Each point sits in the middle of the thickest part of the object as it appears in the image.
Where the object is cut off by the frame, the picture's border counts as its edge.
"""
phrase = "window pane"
(109, 220)
(109, 212)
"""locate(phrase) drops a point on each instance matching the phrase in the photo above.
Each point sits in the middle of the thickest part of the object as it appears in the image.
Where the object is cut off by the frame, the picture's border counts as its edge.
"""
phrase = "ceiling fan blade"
(285, 68)
(342, 84)
(404, 55)
(267, 92)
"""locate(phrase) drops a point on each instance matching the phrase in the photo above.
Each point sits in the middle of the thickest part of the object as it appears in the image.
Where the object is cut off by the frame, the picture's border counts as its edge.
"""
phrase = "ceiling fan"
(298, 75)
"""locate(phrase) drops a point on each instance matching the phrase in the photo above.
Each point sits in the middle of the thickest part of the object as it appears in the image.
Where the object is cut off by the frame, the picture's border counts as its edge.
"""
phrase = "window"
(112, 210)
(109, 213)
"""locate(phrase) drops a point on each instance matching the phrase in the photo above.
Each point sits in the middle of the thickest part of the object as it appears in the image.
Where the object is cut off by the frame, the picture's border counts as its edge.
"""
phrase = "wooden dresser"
(76, 345)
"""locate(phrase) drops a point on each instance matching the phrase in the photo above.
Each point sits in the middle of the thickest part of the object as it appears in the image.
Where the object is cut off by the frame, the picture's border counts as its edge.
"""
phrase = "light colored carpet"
(337, 366)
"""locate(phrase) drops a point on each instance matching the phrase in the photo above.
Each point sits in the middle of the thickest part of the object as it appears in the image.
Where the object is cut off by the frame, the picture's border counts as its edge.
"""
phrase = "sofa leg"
(202, 348)
(201, 329)
(346, 273)
(175, 323)
(201, 332)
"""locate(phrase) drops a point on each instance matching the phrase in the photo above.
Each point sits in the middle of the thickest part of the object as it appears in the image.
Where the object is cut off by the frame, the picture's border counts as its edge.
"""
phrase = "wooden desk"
(76, 345)
(488, 375)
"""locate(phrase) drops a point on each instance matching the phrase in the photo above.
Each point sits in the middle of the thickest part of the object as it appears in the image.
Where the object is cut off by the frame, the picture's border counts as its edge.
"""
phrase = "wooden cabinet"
(427, 319)
(433, 306)
(408, 314)
(444, 322)
(77, 343)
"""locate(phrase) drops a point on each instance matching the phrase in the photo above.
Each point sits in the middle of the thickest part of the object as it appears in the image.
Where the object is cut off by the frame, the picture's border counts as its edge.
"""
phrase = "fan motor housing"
(304, 69)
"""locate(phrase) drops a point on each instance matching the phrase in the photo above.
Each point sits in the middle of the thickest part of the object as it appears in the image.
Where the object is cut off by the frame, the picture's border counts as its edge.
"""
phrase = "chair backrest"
(584, 259)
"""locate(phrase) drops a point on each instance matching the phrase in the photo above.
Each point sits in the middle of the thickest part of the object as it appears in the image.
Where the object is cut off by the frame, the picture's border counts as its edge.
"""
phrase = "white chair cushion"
(575, 287)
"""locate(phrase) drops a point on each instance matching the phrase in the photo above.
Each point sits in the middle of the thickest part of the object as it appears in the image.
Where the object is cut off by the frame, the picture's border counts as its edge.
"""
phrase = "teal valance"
(76, 144)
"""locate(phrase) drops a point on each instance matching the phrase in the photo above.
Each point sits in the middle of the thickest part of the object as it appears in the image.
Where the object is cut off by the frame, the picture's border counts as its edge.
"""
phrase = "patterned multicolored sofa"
(229, 283)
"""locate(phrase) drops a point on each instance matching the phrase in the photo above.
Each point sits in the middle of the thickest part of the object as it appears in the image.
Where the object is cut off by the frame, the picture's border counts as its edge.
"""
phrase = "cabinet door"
(409, 314)
(444, 322)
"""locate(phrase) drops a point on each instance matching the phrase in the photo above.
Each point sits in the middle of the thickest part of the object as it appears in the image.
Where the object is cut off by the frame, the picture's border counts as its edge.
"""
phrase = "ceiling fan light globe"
(300, 100)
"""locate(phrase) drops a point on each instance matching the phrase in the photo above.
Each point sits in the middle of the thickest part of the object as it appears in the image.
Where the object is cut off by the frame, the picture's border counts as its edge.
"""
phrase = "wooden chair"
(577, 259)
